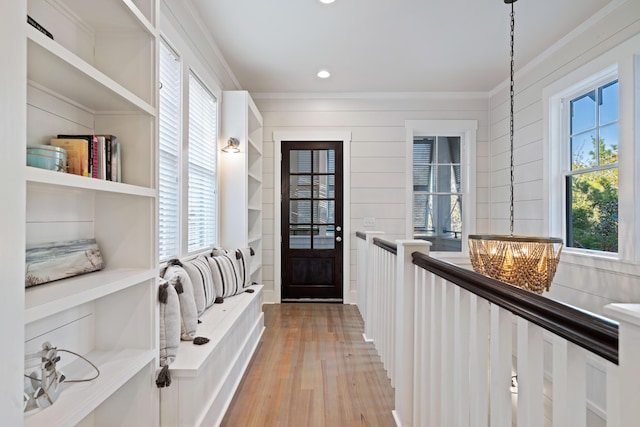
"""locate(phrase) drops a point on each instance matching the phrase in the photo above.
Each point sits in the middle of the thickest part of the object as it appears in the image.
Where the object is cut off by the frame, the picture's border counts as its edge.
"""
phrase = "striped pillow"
(204, 291)
(226, 274)
(244, 260)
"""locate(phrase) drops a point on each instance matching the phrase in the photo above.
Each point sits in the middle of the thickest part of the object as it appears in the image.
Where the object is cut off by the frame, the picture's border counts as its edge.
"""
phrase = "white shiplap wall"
(584, 281)
(587, 282)
(377, 163)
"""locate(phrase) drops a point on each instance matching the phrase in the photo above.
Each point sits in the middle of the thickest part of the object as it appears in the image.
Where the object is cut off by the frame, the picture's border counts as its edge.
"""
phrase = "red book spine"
(94, 155)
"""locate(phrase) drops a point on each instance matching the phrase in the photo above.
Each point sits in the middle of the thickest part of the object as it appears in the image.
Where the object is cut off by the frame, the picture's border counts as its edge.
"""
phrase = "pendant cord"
(511, 95)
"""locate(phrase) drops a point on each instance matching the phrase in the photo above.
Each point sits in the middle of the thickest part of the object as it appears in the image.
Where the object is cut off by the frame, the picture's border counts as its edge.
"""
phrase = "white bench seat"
(205, 377)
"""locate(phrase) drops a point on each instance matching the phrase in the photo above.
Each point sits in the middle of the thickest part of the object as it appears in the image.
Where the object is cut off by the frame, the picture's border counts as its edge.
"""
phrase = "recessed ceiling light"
(327, 1)
(324, 74)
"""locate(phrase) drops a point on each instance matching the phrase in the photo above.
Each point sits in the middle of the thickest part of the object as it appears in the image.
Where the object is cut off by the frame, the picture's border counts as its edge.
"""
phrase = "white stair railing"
(453, 342)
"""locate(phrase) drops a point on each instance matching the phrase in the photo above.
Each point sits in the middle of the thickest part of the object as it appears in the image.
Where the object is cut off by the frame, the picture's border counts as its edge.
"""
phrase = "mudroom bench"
(205, 377)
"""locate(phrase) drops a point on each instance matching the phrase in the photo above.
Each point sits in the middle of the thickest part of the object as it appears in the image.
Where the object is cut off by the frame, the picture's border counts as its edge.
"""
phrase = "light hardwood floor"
(312, 368)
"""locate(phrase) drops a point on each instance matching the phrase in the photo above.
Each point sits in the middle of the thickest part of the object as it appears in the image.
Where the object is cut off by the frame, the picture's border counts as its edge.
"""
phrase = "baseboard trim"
(396, 418)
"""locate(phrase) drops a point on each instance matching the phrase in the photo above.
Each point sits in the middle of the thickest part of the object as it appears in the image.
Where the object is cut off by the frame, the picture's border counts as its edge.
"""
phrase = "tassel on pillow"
(164, 377)
(169, 330)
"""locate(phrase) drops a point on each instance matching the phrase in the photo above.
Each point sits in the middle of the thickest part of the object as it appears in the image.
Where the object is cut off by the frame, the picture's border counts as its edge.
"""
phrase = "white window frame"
(178, 172)
(466, 130)
(622, 63)
(192, 75)
(594, 84)
(191, 64)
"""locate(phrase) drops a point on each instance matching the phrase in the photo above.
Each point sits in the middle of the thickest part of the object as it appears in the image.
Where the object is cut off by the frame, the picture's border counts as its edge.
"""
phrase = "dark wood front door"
(312, 220)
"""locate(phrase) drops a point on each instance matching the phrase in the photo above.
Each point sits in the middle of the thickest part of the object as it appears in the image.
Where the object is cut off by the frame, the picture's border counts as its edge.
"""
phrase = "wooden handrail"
(361, 235)
(387, 246)
(594, 333)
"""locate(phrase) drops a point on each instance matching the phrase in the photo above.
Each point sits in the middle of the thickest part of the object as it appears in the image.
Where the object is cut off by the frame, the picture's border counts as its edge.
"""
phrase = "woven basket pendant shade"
(526, 262)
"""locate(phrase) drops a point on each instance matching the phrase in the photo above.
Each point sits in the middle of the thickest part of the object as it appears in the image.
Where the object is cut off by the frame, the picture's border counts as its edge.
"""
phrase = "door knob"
(338, 239)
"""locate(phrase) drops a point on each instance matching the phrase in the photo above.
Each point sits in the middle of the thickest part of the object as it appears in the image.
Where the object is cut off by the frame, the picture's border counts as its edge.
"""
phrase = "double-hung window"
(202, 166)
(591, 169)
(169, 145)
(440, 200)
(437, 193)
(187, 160)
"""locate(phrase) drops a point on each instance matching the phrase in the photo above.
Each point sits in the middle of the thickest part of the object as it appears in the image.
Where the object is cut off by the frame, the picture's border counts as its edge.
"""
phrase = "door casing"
(317, 135)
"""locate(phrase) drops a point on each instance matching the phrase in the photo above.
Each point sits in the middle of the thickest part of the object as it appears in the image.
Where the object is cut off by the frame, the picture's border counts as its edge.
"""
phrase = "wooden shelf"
(64, 74)
(79, 399)
(99, 76)
(242, 206)
(123, 15)
(254, 146)
(44, 300)
(52, 178)
(256, 266)
(254, 177)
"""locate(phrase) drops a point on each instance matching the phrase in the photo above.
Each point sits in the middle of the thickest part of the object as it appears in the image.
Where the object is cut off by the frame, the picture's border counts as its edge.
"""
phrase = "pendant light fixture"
(526, 262)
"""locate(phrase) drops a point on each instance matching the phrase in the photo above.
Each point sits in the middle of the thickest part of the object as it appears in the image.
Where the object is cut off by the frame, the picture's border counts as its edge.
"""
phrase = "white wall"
(377, 163)
(586, 282)
(179, 21)
(376, 122)
(12, 192)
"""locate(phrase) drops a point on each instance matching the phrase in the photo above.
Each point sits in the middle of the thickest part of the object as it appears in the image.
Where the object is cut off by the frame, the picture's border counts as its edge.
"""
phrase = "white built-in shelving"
(97, 76)
(241, 177)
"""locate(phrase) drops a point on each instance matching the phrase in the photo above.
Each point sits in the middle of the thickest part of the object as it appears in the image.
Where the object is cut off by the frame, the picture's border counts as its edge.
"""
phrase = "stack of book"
(96, 156)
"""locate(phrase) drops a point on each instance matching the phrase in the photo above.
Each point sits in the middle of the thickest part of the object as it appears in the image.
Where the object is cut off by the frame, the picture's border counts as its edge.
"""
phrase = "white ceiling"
(384, 45)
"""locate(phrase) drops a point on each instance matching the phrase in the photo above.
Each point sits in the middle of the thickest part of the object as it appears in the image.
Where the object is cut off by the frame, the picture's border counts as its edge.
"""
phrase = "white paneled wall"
(377, 163)
(586, 282)
(589, 283)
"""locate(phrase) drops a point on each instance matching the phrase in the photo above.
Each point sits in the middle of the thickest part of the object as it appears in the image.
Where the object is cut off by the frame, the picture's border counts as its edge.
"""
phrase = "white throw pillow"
(177, 276)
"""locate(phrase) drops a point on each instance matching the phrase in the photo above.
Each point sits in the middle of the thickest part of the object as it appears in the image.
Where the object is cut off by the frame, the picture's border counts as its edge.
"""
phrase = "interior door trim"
(312, 135)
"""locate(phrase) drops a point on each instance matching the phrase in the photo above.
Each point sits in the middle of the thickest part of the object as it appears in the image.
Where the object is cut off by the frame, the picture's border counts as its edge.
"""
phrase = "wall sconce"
(232, 146)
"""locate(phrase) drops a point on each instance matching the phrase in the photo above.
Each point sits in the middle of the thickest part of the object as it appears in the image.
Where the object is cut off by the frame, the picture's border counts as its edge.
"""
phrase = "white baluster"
(370, 278)
(501, 322)
(404, 324)
(434, 348)
(361, 279)
(479, 362)
(392, 322)
(530, 374)
(623, 408)
(569, 384)
(420, 343)
(446, 348)
(461, 357)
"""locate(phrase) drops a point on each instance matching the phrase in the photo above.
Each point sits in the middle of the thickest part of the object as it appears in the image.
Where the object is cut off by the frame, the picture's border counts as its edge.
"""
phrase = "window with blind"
(203, 138)
(437, 194)
(169, 141)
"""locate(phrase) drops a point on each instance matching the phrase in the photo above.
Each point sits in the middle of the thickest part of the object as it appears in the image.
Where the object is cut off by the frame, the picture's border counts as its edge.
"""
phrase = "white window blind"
(169, 142)
(437, 197)
(203, 138)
